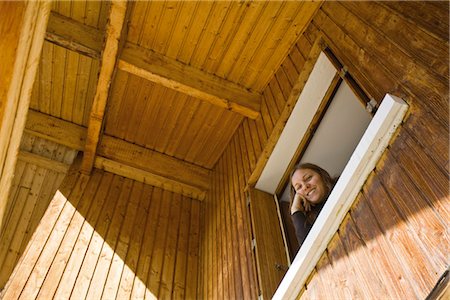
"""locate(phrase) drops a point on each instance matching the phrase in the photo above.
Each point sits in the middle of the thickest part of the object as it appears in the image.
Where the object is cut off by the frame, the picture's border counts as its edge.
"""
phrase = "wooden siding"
(400, 218)
(111, 237)
(40, 170)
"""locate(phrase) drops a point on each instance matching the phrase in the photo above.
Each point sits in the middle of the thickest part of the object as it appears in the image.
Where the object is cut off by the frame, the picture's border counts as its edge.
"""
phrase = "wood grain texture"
(65, 84)
(184, 78)
(22, 45)
(74, 35)
(237, 41)
(10, 30)
(228, 264)
(398, 221)
(100, 246)
(403, 207)
(109, 57)
(168, 121)
(55, 130)
(431, 87)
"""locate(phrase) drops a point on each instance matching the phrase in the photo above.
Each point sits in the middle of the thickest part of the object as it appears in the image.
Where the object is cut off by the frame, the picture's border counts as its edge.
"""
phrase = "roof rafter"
(109, 58)
(73, 35)
(176, 75)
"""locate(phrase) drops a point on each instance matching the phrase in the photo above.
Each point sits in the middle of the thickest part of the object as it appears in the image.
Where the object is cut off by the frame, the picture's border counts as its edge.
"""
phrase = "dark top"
(303, 224)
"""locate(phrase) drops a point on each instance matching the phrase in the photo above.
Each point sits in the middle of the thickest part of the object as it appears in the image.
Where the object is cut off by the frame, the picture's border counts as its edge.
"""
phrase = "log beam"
(43, 162)
(125, 159)
(149, 178)
(109, 57)
(73, 35)
(175, 75)
(153, 161)
(56, 130)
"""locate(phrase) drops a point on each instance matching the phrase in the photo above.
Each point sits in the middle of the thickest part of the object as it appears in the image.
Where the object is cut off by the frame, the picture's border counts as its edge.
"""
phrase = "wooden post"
(22, 28)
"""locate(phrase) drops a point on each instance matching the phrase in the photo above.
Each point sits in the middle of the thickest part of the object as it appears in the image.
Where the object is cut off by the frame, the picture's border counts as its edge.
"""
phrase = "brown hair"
(327, 179)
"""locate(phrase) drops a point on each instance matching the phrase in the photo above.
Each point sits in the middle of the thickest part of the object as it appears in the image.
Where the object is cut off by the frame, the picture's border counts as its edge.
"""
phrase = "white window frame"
(363, 160)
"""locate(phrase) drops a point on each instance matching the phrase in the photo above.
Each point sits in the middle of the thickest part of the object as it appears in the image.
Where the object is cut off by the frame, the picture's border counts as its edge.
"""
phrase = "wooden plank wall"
(35, 182)
(111, 237)
(393, 243)
(227, 261)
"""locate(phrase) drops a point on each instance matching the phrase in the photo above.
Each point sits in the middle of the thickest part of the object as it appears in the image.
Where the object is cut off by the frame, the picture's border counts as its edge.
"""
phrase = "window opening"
(332, 141)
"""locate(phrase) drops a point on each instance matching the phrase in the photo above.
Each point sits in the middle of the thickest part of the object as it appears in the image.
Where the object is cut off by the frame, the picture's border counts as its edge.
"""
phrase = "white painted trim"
(297, 124)
(363, 160)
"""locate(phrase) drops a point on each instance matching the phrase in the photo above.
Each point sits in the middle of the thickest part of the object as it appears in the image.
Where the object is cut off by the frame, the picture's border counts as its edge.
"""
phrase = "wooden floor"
(108, 237)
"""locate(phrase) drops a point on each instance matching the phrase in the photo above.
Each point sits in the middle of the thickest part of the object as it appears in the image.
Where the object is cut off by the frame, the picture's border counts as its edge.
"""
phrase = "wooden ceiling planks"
(65, 84)
(168, 121)
(221, 38)
(243, 42)
(91, 13)
(224, 49)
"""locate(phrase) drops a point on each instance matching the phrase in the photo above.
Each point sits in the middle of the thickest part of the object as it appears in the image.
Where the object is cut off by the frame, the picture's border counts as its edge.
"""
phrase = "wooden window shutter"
(271, 258)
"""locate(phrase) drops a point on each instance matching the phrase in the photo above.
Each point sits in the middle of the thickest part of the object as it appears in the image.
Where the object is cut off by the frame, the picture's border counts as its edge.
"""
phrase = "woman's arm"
(301, 226)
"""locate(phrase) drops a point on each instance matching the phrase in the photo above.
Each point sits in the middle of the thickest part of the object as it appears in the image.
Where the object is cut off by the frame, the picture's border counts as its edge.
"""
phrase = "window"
(311, 109)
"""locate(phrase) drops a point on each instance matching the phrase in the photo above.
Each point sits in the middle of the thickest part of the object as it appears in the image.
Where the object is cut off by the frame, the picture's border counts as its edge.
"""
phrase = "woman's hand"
(300, 204)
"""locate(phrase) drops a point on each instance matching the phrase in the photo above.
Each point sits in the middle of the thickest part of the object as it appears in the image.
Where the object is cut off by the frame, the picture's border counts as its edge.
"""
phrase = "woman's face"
(309, 184)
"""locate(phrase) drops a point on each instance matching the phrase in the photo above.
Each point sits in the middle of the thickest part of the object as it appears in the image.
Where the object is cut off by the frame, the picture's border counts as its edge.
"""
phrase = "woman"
(310, 187)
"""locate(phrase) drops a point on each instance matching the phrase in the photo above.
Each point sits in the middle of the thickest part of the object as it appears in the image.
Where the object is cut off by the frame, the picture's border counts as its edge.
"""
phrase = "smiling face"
(309, 184)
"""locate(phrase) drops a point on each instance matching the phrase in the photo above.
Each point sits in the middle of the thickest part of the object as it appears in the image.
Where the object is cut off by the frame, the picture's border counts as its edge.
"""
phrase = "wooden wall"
(393, 243)
(395, 240)
(227, 261)
(111, 237)
(40, 169)
(10, 27)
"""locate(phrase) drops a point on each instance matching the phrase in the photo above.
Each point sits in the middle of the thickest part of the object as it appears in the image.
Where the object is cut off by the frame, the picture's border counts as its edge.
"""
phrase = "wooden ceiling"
(176, 80)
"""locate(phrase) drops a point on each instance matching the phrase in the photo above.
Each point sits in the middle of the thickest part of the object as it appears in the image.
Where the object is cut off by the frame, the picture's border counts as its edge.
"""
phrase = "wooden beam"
(56, 130)
(109, 57)
(154, 162)
(149, 178)
(123, 158)
(22, 28)
(73, 35)
(43, 162)
(187, 79)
